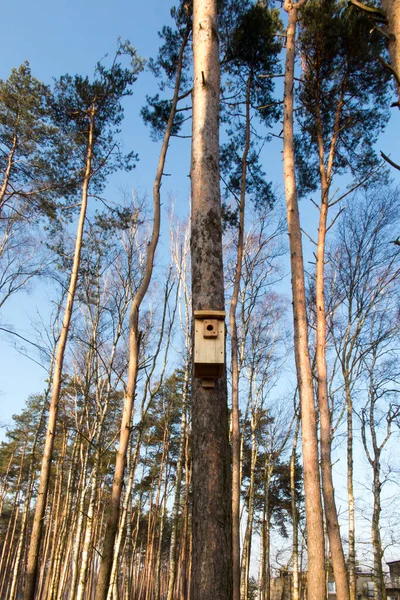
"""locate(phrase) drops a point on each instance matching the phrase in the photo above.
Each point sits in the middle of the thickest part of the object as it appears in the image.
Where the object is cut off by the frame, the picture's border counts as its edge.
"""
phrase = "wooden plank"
(211, 314)
(209, 350)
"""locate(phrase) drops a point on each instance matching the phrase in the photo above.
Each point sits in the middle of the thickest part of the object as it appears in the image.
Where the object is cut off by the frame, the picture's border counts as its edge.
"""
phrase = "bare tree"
(362, 270)
(379, 415)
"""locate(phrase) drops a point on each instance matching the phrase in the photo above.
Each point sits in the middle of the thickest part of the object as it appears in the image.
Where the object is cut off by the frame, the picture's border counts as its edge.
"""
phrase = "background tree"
(363, 268)
(27, 138)
(315, 533)
(87, 113)
(245, 61)
(336, 92)
(134, 340)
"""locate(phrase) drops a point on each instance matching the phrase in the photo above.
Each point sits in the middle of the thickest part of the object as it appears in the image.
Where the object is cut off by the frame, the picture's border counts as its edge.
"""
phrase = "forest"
(218, 416)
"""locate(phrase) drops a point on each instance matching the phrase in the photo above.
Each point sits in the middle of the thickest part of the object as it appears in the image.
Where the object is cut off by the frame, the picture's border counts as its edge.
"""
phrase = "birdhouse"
(209, 345)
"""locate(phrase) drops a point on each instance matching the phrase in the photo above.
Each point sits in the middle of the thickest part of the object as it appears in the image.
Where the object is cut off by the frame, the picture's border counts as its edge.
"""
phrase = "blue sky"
(59, 37)
(56, 38)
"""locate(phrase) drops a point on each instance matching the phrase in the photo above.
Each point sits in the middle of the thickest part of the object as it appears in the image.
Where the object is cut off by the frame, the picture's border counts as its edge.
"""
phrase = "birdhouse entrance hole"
(209, 345)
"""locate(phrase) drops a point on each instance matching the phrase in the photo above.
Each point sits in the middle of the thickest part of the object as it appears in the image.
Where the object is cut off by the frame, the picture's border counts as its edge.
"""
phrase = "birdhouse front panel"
(209, 343)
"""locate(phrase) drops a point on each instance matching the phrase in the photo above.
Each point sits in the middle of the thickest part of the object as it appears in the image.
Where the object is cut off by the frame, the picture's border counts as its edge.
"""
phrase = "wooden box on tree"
(209, 345)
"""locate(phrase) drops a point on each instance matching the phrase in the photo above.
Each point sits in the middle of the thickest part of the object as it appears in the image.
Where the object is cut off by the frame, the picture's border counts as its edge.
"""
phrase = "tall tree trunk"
(5, 483)
(178, 485)
(60, 535)
(392, 11)
(127, 581)
(374, 459)
(134, 339)
(265, 574)
(186, 553)
(37, 527)
(315, 531)
(19, 567)
(84, 563)
(212, 505)
(78, 532)
(246, 553)
(332, 522)
(46, 555)
(235, 364)
(380, 591)
(8, 542)
(350, 493)
(162, 519)
(295, 515)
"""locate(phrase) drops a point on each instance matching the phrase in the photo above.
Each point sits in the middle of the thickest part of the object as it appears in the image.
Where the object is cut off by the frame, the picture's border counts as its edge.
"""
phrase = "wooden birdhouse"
(209, 345)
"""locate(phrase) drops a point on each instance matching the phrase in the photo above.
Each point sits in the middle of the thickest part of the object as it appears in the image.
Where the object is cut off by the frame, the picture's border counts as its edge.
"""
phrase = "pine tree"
(27, 138)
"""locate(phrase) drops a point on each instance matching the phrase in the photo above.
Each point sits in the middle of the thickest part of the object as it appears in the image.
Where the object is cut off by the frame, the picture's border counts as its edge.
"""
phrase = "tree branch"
(393, 164)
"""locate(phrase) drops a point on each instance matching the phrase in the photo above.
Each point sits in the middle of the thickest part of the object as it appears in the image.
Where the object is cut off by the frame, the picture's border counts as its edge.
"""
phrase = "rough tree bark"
(212, 533)
(315, 530)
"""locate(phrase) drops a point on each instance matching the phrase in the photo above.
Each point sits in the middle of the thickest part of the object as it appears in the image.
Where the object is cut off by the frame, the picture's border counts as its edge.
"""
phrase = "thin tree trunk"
(178, 482)
(60, 539)
(46, 555)
(134, 340)
(7, 544)
(128, 554)
(380, 591)
(4, 486)
(350, 494)
(246, 552)
(235, 364)
(295, 516)
(185, 569)
(152, 566)
(19, 567)
(374, 459)
(77, 534)
(121, 525)
(158, 583)
(87, 538)
(37, 527)
(315, 531)
(12, 523)
(332, 523)
(264, 573)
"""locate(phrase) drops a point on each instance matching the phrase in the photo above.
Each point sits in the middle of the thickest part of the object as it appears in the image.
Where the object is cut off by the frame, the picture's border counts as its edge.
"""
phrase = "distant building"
(281, 587)
(392, 581)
